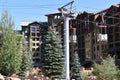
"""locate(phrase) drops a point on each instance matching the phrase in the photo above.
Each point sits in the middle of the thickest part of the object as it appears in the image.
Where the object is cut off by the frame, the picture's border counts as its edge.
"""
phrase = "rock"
(14, 78)
(2, 77)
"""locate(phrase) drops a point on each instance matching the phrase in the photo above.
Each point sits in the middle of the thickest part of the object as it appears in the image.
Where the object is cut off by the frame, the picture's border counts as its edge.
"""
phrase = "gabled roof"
(112, 10)
(103, 11)
(35, 22)
(27, 23)
(108, 9)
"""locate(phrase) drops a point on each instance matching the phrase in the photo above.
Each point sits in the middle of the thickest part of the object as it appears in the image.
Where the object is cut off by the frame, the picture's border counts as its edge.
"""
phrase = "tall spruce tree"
(76, 68)
(53, 58)
(107, 70)
(10, 52)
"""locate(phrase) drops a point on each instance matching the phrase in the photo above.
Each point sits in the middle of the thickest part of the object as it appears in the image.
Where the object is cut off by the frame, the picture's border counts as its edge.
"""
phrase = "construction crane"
(66, 13)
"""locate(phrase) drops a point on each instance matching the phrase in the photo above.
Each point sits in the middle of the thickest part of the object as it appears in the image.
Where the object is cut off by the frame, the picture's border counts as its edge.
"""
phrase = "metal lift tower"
(66, 13)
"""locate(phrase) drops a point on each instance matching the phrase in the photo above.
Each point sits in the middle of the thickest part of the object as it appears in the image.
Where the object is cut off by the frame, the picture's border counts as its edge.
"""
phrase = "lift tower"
(66, 13)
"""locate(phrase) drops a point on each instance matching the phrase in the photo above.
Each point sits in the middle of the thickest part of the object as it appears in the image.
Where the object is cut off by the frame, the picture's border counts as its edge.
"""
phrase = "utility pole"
(66, 16)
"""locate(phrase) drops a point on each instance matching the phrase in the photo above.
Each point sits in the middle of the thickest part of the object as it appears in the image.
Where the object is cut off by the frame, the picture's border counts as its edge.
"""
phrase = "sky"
(35, 10)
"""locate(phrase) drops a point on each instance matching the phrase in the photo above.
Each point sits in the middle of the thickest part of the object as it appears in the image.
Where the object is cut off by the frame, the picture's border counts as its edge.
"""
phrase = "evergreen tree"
(76, 68)
(53, 58)
(10, 52)
(27, 61)
(106, 70)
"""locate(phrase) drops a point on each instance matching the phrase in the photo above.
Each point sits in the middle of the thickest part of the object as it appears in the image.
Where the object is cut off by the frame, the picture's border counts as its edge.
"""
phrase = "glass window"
(27, 39)
(33, 39)
(38, 34)
(33, 49)
(33, 29)
(33, 34)
(37, 44)
(38, 29)
(37, 54)
(38, 49)
(98, 47)
(26, 30)
(33, 44)
(37, 39)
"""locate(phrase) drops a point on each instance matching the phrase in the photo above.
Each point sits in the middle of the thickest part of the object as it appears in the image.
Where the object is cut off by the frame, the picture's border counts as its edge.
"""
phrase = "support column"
(66, 47)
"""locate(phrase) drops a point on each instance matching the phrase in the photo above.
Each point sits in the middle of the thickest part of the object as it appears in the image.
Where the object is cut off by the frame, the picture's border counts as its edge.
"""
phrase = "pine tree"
(10, 52)
(107, 70)
(76, 68)
(27, 61)
(53, 58)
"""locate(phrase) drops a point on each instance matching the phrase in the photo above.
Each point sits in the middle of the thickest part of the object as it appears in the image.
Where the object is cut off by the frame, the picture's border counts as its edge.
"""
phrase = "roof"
(105, 10)
(112, 10)
(57, 13)
(26, 23)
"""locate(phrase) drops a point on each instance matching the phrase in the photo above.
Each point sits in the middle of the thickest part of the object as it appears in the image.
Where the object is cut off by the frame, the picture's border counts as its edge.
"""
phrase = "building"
(92, 35)
(113, 31)
(84, 32)
(33, 33)
(98, 34)
(91, 38)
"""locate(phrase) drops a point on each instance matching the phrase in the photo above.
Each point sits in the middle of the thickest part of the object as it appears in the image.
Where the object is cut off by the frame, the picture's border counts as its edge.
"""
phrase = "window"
(102, 47)
(38, 29)
(38, 49)
(98, 47)
(27, 39)
(33, 29)
(37, 44)
(33, 34)
(33, 44)
(33, 39)
(33, 49)
(26, 30)
(110, 45)
(26, 36)
(37, 39)
(38, 34)
(37, 54)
